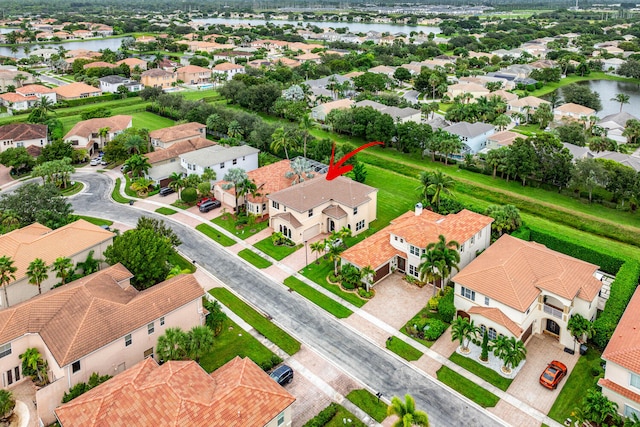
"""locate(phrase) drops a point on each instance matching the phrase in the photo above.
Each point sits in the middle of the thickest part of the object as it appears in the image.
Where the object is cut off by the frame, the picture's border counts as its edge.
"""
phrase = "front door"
(10, 377)
(553, 327)
(331, 225)
(402, 264)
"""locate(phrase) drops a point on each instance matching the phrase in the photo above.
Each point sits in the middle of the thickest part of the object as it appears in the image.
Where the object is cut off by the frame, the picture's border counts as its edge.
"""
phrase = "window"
(5, 350)
(235, 161)
(482, 329)
(401, 240)
(127, 340)
(628, 412)
(359, 225)
(222, 165)
(468, 293)
(75, 366)
(355, 210)
(413, 250)
(395, 238)
(162, 321)
(462, 248)
(492, 334)
(479, 234)
(148, 353)
(635, 381)
(310, 213)
(473, 239)
(281, 419)
(275, 205)
(414, 271)
(486, 300)
(150, 328)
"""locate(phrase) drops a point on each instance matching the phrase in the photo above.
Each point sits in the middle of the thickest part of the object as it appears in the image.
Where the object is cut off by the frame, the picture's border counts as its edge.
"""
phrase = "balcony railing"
(553, 311)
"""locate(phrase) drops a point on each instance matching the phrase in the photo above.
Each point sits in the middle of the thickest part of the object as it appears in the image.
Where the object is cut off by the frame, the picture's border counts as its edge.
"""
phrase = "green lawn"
(227, 221)
(74, 189)
(337, 420)
(467, 388)
(150, 121)
(318, 273)
(214, 234)
(580, 380)
(115, 194)
(318, 298)
(275, 252)
(424, 313)
(273, 333)
(177, 259)
(369, 403)
(254, 258)
(166, 211)
(403, 349)
(487, 374)
(234, 341)
(96, 221)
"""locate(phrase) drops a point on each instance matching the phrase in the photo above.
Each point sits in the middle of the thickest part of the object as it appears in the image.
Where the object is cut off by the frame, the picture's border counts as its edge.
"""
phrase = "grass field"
(96, 221)
(273, 333)
(275, 252)
(254, 258)
(340, 414)
(150, 121)
(228, 222)
(177, 259)
(74, 189)
(115, 193)
(487, 374)
(318, 273)
(403, 349)
(166, 211)
(467, 388)
(369, 403)
(318, 298)
(215, 235)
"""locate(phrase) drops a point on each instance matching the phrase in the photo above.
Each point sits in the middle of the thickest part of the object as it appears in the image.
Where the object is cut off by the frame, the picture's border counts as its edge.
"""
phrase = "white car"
(95, 162)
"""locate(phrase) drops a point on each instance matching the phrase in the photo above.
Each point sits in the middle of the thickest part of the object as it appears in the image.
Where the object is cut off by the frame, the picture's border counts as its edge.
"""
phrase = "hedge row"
(92, 99)
(622, 290)
(324, 416)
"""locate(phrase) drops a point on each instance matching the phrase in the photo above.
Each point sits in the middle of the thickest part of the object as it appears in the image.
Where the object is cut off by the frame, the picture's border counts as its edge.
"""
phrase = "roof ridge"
(75, 335)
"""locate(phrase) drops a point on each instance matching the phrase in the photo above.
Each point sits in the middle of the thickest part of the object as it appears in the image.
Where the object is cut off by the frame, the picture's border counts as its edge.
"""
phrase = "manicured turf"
(369, 403)
(166, 211)
(96, 221)
(273, 333)
(74, 189)
(318, 273)
(467, 388)
(318, 298)
(214, 234)
(403, 349)
(177, 259)
(115, 194)
(275, 252)
(150, 121)
(487, 374)
(254, 258)
(580, 379)
(234, 341)
(228, 222)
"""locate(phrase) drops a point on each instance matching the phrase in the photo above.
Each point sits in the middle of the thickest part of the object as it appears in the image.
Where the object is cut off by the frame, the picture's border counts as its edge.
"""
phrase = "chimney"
(418, 210)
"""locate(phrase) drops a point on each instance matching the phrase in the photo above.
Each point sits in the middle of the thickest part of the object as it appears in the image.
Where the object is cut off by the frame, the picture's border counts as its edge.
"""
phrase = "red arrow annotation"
(337, 169)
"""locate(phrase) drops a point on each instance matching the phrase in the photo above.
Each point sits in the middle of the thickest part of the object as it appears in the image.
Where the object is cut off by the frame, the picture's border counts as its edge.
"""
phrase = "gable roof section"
(309, 194)
(23, 131)
(178, 148)
(624, 345)
(76, 89)
(514, 272)
(572, 108)
(28, 89)
(71, 319)
(173, 133)
(87, 127)
(238, 394)
(469, 130)
(374, 251)
(497, 316)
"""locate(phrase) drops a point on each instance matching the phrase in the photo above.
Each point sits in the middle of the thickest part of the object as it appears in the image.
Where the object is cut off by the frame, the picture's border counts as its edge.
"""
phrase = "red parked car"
(206, 199)
(552, 375)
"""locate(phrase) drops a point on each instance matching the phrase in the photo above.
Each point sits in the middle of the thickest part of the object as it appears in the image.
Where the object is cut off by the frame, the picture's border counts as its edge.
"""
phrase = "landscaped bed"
(467, 388)
(319, 272)
(275, 252)
(403, 349)
(369, 403)
(229, 223)
(214, 234)
(115, 194)
(254, 258)
(477, 368)
(318, 298)
(425, 313)
(334, 416)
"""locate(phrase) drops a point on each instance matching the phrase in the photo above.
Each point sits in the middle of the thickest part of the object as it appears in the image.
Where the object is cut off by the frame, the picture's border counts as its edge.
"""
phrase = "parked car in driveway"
(165, 191)
(552, 375)
(282, 374)
(211, 204)
(205, 200)
(96, 161)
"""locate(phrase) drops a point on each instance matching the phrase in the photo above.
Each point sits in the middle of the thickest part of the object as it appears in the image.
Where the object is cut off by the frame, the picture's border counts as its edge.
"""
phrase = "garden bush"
(324, 416)
(189, 195)
(446, 308)
(622, 290)
(522, 233)
(433, 303)
(81, 388)
(7, 403)
(350, 276)
(364, 294)
(433, 329)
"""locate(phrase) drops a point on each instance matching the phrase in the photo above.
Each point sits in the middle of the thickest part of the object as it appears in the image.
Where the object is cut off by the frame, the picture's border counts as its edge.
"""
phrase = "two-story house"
(165, 137)
(23, 135)
(157, 77)
(39, 92)
(317, 206)
(400, 245)
(111, 84)
(238, 394)
(519, 288)
(573, 111)
(16, 102)
(473, 135)
(194, 75)
(621, 382)
(165, 162)
(77, 90)
(87, 133)
(113, 325)
(220, 159)
(227, 70)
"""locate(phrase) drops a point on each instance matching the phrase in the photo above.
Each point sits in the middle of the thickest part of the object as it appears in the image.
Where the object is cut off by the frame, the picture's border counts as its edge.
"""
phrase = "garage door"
(527, 333)
(381, 273)
(311, 232)
(165, 182)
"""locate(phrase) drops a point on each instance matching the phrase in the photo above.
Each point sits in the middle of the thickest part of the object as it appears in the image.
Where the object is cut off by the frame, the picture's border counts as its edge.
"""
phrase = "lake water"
(7, 30)
(354, 27)
(95, 45)
(608, 89)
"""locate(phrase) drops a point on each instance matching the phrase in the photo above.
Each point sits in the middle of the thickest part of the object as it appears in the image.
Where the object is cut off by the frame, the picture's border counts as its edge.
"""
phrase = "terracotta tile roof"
(309, 194)
(286, 216)
(327, 107)
(156, 72)
(178, 148)
(37, 241)
(132, 62)
(530, 101)
(618, 389)
(15, 97)
(572, 108)
(23, 132)
(374, 251)
(514, 272)
(98, 64)
(226, 66)
(180, 393)
(86, 128)
(505, 138)
(497, 316)
(173, 133)
(74, 90)
(507, 96)
(71, 319)
(192, 69)
(25, 90)
(624, 345)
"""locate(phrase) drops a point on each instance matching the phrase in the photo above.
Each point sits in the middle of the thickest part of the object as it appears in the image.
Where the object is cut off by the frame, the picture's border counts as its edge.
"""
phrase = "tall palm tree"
(463, 331)
(510, 350)
(439, 184)
(407, 413)
(333, 252)
(138, 165)
(367, 274)
(305, 125)
(6, 274)
(235, 178)
(317, 247)
(172, 345)
(37, 273)
(281, 139)
(199, 341)
(177, 182)
(141, 186)
(134, 144)
(622, 98)
(449, 255)
(234, 130)
(63, 268)
(103, 133)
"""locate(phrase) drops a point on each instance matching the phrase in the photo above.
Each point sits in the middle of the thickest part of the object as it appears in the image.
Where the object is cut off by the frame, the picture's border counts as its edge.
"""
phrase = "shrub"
(364, 294)
(350, 276)
(216, 317)
(445, 307)
(522, 233)
(189, 195)
(622, 290)
(7, 403)
(323, 417)
(433, 329)
(433, 303)
(81, 388)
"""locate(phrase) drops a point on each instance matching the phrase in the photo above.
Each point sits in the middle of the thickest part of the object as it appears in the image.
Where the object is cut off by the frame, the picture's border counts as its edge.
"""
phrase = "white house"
(111, 84)
(220, 159)
(39, 92)
(473, 135)
(228, 70)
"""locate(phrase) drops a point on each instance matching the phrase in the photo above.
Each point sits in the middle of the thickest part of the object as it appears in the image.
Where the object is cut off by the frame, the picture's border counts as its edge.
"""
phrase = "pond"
(608, 89)
(93, 44)
(354, 27)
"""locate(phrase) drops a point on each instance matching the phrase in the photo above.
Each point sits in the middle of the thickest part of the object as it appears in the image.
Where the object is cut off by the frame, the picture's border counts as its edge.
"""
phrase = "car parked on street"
(552, 375)
(207, 206)
(283, 374)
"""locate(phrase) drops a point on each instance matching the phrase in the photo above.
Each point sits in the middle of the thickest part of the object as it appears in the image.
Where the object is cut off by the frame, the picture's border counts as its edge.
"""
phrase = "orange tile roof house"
(76, 90)
(501, 139)
(165, 137)
(181, 393)
(86, 134)
(228, 70)
(400, 245)
(98, 64)
(165, 162)
(157, 77)
(519, 288)
(320, 112)
(38, 91)
(621, 382)
(17, 102)
(99, 323)
(73, 241)
(573, 111)
(194, 75)
(133, 62)
(317, 206)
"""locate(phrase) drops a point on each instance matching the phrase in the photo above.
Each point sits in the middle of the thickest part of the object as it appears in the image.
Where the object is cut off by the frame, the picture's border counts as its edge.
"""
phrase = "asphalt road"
(356, 355)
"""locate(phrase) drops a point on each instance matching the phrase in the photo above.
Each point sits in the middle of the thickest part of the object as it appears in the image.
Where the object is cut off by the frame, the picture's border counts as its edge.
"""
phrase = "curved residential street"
(358, 356)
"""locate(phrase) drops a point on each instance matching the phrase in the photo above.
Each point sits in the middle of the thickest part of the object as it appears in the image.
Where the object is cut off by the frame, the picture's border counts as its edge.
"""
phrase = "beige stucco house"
(165, 162)
(194, 75)
(157, 77)
(320, 112)
(86, 133)
(76, 90)
(23, 135)
(519, 288)
(317, 206)
(99, 323)
(165, 137)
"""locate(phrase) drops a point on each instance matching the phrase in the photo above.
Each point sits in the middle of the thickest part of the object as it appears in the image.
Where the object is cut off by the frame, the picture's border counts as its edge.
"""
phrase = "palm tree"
(464, 331)
(177, 182)
(32, 363)
(333, 253)
(63, 268)
(510, 350)
(281, 139)
(90, 265)
(449, 254)
(234, 130)
(37, 273)
(301, 169)
(138, 165)
(367, 274)
(10, 220)
(502, 121)
(134, 143)
(103, 133)
(407, 413)
(141, 186)
(317, 247)
(435, 184)
(6, 274)
(235, 178)
(622, 98)
(305, 125)
(172, 345)
(199, 341)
